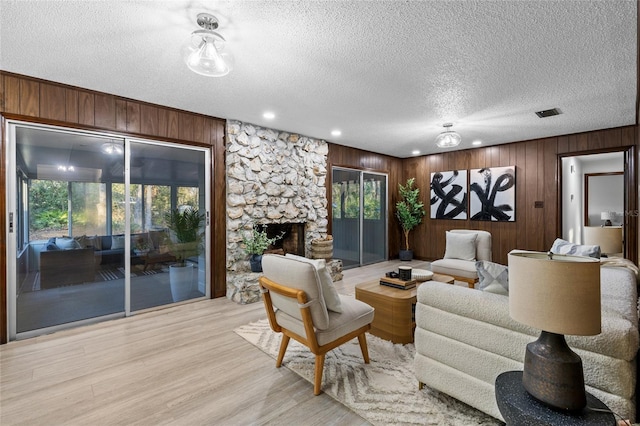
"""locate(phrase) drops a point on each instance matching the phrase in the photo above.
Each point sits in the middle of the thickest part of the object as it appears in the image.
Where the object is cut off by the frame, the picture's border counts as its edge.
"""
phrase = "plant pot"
(406, 255)
(181, 281)
(256, 262)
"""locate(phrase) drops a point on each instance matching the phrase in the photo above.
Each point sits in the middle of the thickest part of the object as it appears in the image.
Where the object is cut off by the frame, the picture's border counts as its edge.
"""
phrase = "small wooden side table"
(521, 409)
(394, 317)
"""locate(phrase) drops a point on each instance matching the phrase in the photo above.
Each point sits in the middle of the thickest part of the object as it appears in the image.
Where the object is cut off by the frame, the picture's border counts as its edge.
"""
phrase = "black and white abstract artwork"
(493, 194)
(449, 195)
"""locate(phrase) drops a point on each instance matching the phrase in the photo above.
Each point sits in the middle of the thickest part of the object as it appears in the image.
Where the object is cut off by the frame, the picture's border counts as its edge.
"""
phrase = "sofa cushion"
(455, 267)
(492, 277)
(329, 292)
(51, 245)
(561, 246)
(460, 246)
(117, 242)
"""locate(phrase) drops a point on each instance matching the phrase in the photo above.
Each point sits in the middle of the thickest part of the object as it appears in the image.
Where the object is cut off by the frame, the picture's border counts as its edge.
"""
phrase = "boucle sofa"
(465, 338)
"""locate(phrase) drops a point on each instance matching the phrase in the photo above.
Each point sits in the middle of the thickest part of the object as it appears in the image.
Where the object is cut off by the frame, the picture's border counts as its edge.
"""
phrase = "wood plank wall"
(343, 156)
(28, 99)
(536, 180)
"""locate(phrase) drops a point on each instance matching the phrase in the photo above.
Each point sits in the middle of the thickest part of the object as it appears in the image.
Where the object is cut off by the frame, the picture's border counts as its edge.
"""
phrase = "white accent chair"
(461, 254)
(294, 301)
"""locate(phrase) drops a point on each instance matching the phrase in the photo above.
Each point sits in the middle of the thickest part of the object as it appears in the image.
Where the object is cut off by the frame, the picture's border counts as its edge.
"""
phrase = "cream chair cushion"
(329, 292)
(460, 246)
(300, 275)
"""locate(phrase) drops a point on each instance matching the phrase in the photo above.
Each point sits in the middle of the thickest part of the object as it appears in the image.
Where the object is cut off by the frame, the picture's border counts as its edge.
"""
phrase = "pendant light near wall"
(204, 52)
(448, 138)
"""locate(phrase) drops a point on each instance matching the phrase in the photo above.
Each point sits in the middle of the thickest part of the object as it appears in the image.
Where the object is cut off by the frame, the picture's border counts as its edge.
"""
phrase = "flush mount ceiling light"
(203, 50)
(448, 138)
(112, 148)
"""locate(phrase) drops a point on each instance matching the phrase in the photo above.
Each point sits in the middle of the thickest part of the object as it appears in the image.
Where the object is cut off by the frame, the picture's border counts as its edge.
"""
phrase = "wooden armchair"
(294, 302)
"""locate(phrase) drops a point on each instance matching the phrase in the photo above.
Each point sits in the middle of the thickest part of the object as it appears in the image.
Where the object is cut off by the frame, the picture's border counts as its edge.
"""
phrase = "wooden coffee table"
(394, 317)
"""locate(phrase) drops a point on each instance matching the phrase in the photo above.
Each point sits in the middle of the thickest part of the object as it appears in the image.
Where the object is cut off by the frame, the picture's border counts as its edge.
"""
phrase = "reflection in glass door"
(359, 223)
(99, 223)
(167, 223)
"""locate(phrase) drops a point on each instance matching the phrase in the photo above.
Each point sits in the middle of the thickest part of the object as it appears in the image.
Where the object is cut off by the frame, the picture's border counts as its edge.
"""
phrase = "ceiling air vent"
(548, 113)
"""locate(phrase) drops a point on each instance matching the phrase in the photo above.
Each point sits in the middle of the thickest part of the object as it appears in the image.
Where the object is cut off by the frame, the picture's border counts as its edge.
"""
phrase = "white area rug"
(385, 392)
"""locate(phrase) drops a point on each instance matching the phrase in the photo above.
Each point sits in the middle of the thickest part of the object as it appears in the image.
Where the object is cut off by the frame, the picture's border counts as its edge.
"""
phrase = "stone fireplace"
(276, 179)
(292, 240)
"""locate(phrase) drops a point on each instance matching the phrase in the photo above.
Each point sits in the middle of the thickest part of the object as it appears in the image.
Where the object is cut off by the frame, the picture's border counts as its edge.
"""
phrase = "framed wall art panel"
(449, 195)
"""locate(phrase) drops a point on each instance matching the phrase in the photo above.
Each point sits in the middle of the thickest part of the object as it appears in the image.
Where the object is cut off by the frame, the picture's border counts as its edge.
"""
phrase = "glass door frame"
(13, 221)
(361, 173)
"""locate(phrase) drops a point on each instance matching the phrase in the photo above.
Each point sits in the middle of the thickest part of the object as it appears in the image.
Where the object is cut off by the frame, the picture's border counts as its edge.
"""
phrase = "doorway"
(359, 216)
(595, 192)
(90, 229)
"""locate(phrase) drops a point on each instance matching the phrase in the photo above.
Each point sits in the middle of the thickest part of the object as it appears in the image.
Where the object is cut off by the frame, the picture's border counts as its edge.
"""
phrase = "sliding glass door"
(359, 223)
(97, 226)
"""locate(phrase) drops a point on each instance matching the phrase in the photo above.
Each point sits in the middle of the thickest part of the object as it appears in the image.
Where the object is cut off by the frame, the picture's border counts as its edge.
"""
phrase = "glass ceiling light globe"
(203, 50)
(448, 138)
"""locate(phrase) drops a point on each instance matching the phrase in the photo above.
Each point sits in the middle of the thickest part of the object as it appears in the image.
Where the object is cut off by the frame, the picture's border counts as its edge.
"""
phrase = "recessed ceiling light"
(476, 143)
(336, 132)
(415, 152)
(269, 115)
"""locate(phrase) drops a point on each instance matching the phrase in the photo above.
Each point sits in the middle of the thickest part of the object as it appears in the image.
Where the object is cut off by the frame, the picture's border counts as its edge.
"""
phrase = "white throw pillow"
(460, 246)
(67, 243)
(331, 297)
(117, 242)
(492, 277)
(561, 246)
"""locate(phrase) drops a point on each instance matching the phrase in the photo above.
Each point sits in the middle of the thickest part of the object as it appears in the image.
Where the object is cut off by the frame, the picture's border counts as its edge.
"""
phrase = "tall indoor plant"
(255, 243)
(409, 211)
(185, 241)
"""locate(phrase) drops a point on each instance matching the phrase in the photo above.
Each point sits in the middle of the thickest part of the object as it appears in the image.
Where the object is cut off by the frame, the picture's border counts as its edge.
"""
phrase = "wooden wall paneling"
(2, 94)
(149, 122)
(29, 98)
(185, 126)
(219, 212)
(627, 137)
(550, 199)
(207, 127)
(173, 126)
(52, 102)
(86, 108)
(11, 95)
(198, 129)
(105, 111)
(121, 115)
(133, 117)
(163, 122)
(72, 114)
(562, 144)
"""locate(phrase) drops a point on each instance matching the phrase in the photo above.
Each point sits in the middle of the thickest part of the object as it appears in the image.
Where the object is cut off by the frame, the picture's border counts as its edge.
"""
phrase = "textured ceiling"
(388, 74)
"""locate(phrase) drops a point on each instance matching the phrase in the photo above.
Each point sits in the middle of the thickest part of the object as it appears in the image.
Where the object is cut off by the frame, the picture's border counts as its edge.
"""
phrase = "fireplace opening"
(292, 241)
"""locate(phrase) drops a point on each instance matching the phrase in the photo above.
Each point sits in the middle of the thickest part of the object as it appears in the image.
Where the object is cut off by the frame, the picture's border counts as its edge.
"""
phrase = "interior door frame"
(631, 212)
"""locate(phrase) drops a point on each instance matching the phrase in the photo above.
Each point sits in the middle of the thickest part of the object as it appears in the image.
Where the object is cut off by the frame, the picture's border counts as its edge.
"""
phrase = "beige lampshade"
(559, 296)
(609, 238)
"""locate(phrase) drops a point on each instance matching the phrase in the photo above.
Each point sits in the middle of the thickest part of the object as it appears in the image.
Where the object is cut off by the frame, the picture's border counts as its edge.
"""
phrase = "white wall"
(572, 193)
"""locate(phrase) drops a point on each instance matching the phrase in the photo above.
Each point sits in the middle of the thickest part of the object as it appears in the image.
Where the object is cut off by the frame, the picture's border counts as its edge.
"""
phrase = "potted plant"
(141, 247)
(185, 241)
(409, 211)
(255, 243)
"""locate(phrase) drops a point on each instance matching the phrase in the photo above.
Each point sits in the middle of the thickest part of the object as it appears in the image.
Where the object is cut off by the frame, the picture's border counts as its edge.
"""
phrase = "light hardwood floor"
(182, 365)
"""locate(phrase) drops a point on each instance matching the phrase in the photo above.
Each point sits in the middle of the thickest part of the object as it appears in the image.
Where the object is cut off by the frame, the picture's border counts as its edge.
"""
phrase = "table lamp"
(559, 295)
(606, 218)
(609, 238)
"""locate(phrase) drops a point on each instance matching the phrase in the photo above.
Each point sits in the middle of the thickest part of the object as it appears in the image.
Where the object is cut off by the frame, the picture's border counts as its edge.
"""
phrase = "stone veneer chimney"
(272, 177)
